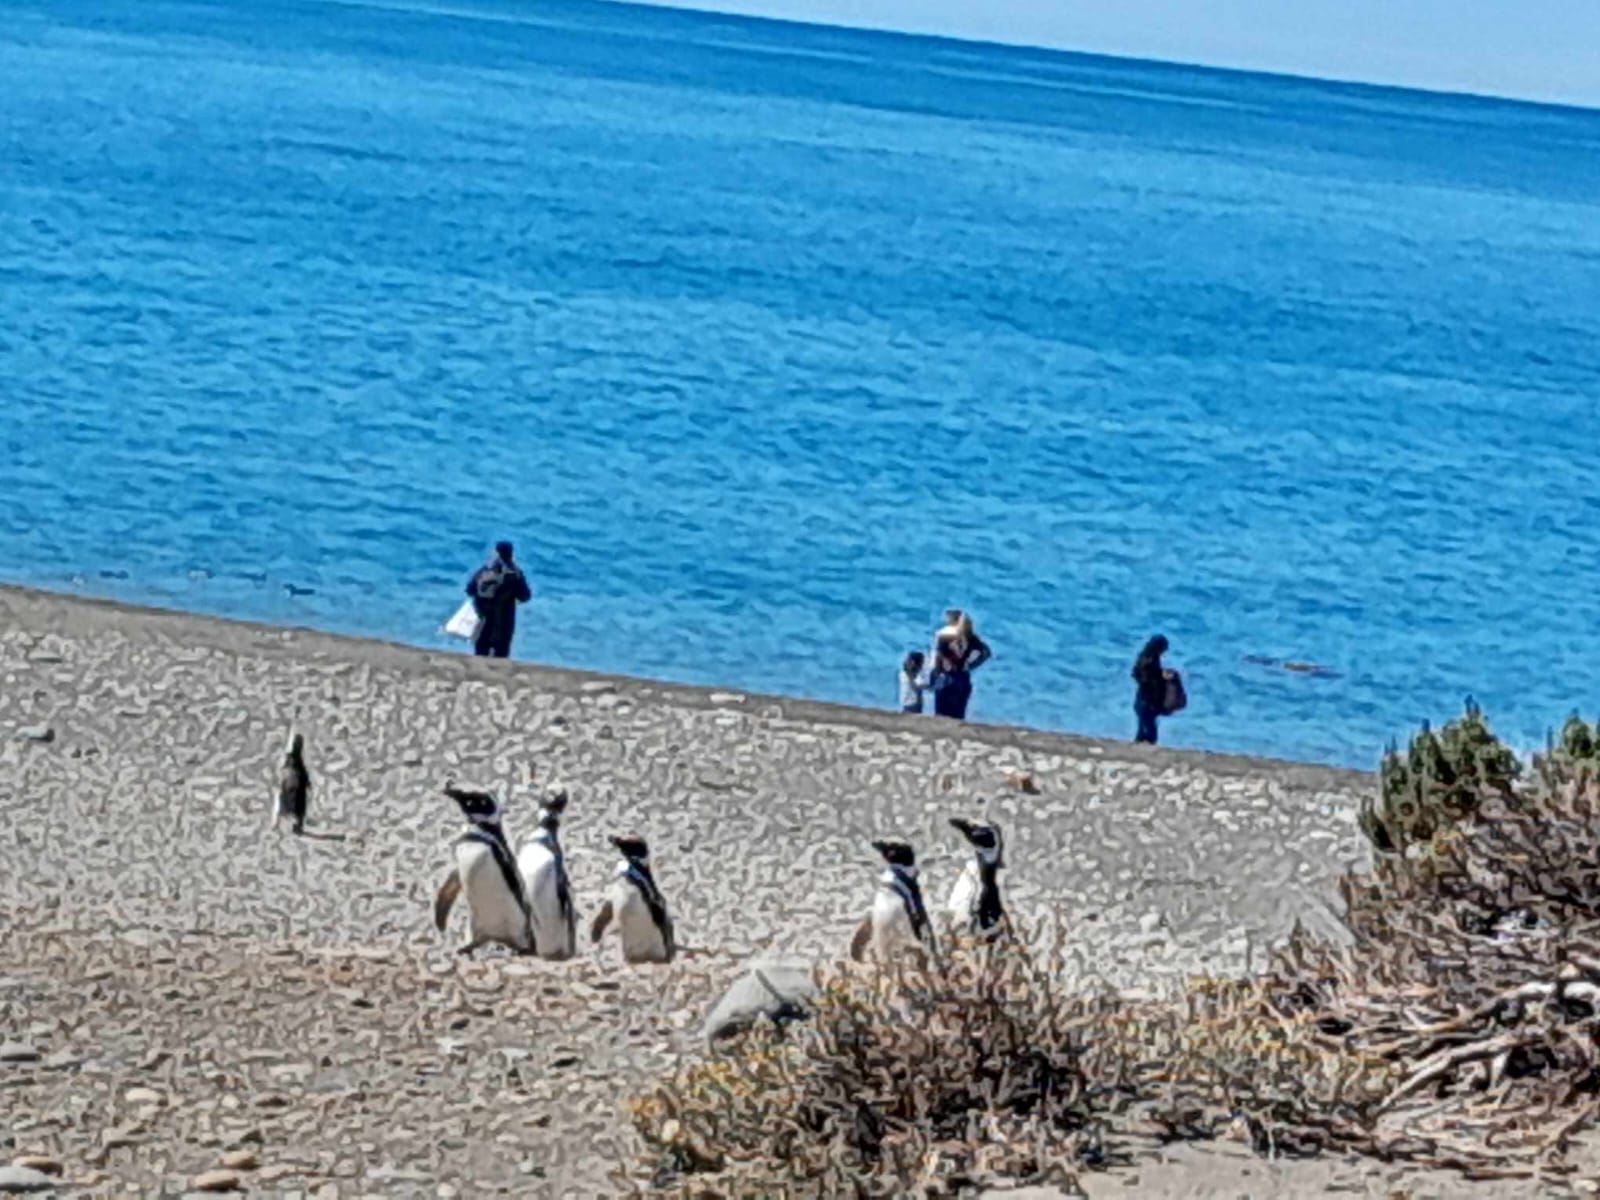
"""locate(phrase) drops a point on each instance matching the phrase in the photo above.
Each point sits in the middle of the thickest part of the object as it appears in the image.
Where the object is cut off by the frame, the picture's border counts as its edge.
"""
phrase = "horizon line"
(709, 8)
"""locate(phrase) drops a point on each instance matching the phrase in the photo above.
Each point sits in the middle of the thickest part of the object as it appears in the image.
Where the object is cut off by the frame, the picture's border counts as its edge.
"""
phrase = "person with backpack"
(496, 589)
(1157, 691)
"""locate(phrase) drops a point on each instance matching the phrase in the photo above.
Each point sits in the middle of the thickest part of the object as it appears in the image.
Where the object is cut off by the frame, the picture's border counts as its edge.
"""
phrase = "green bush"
(1438, 783)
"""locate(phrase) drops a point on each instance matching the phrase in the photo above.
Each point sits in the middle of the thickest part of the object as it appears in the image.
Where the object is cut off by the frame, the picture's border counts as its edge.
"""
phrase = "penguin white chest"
(492, 905)
(553, 929)
(642, 939)
(963, 906)
(892, 931)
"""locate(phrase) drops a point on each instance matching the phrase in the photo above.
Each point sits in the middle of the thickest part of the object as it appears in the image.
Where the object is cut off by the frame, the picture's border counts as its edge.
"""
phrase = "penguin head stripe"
(551, 810)
(475, 806)
(633, 849)
(897, 854)
(985, 838)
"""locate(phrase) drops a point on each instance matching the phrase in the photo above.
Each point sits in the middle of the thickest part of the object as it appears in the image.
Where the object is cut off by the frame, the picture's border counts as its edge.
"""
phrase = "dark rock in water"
(781, 989)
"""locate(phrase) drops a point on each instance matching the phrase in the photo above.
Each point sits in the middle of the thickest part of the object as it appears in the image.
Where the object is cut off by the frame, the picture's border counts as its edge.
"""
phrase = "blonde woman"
(958, 651)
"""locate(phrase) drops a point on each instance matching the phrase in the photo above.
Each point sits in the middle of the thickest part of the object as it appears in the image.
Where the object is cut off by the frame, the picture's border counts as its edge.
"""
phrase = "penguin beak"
(881, 847)
(964, 825)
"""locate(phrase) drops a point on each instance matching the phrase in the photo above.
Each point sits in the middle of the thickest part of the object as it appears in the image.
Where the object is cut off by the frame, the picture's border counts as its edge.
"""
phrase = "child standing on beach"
(912, 684)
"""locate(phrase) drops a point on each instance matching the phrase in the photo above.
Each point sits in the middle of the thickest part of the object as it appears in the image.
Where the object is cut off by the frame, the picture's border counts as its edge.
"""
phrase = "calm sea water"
(765, 343)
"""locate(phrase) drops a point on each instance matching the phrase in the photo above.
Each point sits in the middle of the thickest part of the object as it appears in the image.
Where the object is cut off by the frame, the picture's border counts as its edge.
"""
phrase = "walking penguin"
(486, 870)
(975, 906)
(544, 878)
(294, 784)
(637, 906)
(898, 921)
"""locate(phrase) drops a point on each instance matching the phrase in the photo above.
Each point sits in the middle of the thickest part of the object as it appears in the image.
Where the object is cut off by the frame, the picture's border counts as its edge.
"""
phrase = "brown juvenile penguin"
(294, 784)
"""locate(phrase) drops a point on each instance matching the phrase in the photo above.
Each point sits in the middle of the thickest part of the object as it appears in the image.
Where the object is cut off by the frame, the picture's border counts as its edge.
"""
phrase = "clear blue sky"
(1538, 49)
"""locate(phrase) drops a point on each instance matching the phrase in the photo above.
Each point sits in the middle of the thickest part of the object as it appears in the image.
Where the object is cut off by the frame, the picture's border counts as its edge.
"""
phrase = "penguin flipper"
(442, 903)
(863, 935)
(601, 920)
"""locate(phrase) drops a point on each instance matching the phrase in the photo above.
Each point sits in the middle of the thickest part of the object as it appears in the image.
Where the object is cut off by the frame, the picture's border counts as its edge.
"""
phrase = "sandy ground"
(181, 983)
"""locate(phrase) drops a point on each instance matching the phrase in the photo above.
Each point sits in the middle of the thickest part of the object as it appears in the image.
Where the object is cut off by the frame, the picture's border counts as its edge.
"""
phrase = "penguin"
(486, 870)
(294, 784)
(544, 880)
(637, 906)
(975, 906)
(898, 920)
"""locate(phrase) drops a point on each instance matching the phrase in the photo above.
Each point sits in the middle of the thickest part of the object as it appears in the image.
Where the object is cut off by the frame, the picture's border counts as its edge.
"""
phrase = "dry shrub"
(1460, 1022)
(912, 1081)
(1457, 1025)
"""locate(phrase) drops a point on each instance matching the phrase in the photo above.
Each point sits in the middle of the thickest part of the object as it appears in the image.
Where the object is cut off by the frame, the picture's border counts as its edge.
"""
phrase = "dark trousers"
(1147, 714)
(951, 699)
(494, 639)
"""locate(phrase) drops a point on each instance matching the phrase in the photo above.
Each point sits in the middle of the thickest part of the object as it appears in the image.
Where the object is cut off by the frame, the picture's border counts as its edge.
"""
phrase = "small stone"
(143, 1095)
(42, 1163)
(241, 1160)
(217, 1181)
(17, 1052)
(17, 1180)
(780, 989)
(37, 733)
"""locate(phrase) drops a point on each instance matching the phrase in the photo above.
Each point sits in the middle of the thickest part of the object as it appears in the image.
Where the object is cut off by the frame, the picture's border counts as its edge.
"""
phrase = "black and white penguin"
(544, 880)
(898, 921)
(975, 906)
(637, 906)
(294, 784)
(486, 870)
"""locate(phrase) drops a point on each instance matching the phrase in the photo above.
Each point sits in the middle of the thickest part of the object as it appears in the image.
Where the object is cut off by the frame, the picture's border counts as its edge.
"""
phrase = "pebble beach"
(189, 996)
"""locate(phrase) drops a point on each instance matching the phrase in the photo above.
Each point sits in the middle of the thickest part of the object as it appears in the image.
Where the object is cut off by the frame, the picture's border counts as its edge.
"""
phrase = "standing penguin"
(975, 906)
(638, 907)
(294, 784)
(486, 870)
(544, 879)
(898, 921)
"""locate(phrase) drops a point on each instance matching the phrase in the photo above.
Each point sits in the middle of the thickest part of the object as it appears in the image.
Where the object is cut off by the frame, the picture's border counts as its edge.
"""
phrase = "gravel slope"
(290, 997)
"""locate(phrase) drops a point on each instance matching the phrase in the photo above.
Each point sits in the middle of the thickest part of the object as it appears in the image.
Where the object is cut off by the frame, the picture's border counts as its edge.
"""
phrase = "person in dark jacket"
(496, 589)
(958, 651)
(1150, 695)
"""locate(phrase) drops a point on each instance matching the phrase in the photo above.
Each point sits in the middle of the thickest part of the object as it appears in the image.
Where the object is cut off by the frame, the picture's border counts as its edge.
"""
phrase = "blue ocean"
(767, 342)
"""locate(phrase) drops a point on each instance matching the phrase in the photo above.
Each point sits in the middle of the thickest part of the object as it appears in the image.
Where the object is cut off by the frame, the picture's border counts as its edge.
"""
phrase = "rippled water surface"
(766, 342)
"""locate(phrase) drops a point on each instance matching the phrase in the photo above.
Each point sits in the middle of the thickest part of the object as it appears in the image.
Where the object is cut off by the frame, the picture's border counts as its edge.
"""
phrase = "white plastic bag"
(465, 624)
